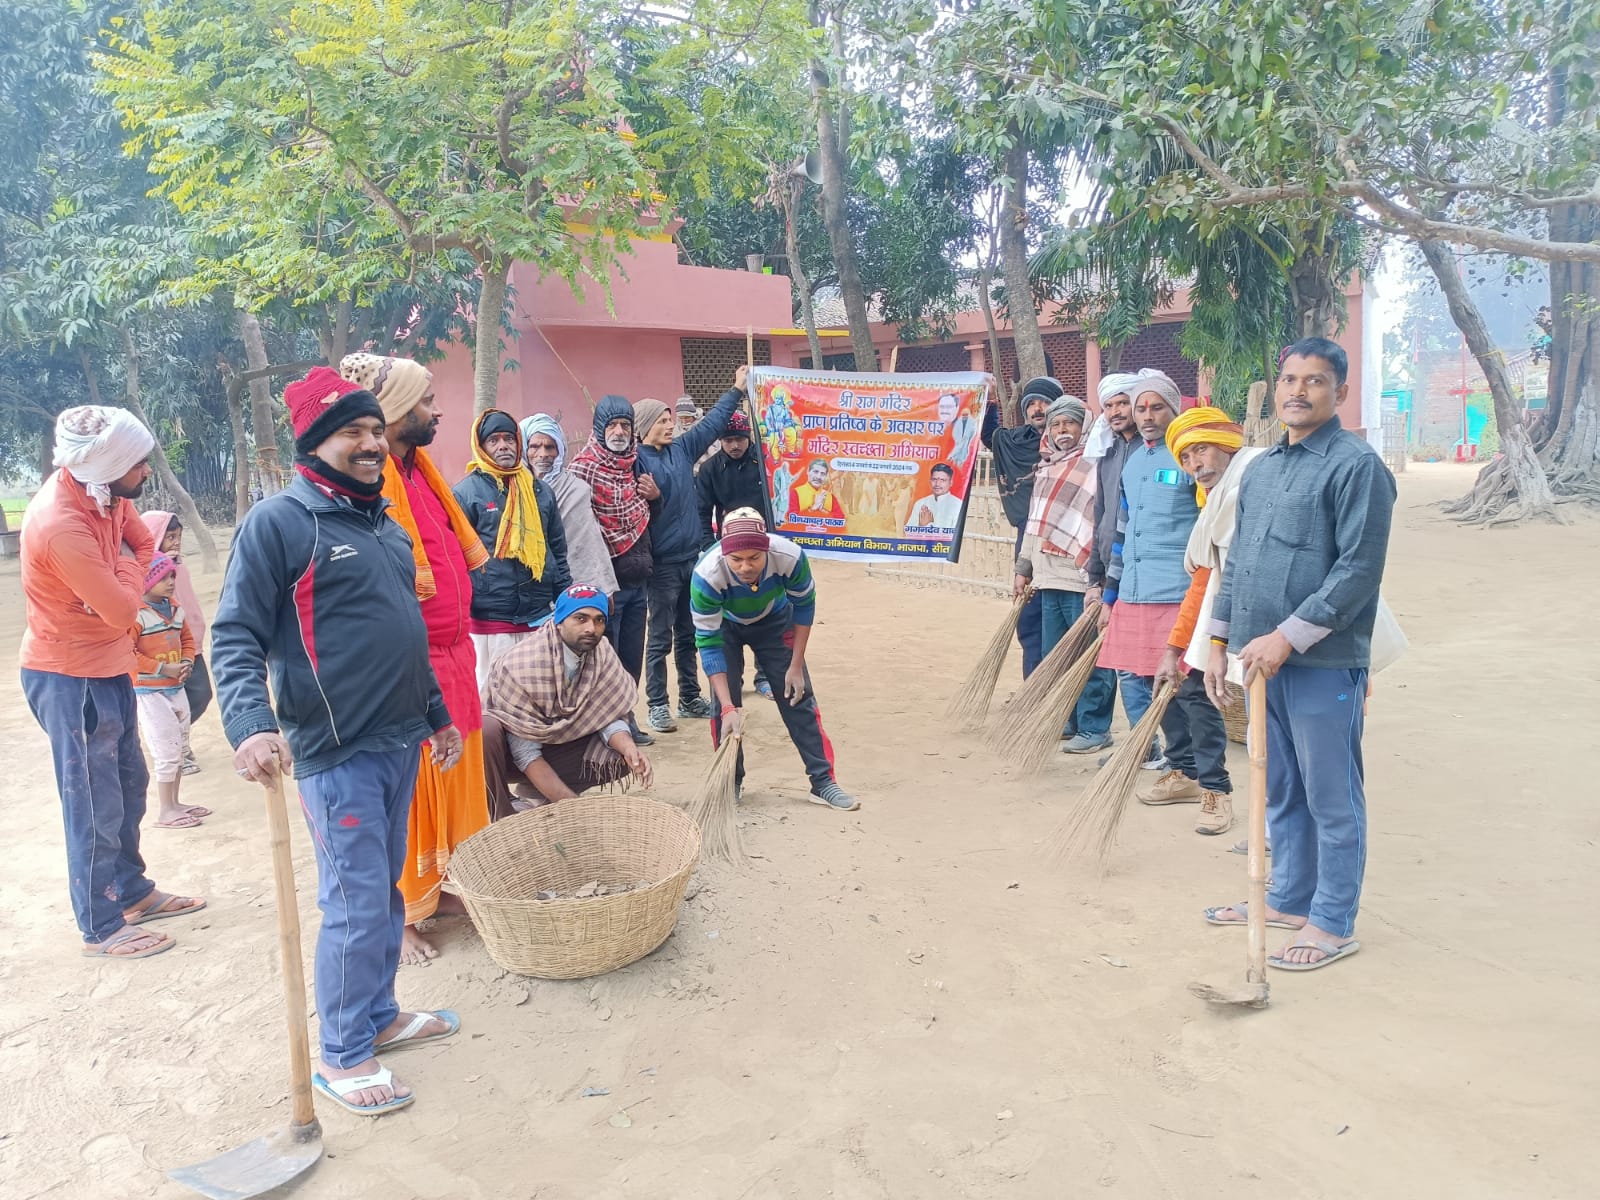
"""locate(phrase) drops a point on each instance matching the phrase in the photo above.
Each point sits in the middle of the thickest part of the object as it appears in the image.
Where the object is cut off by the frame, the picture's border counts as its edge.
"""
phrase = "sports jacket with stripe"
(323, 594)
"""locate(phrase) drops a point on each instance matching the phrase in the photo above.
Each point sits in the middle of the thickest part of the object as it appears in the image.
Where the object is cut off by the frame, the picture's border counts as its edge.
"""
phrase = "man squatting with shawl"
(447, 809)
(1208, 446)
(1110, 443)
(622, 494)
(558, 707)
(1016, 454)
(669, 457)
(1298, 602)
(730, 479)
(588, 560)
(84, 558)
(320, 589)
(516, 518)
(167, 531)
(754, 589)
(1055, 545)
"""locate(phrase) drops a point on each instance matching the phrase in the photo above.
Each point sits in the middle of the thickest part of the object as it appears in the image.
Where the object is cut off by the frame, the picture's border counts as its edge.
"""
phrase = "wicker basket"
(1233, 714)
(616, 839)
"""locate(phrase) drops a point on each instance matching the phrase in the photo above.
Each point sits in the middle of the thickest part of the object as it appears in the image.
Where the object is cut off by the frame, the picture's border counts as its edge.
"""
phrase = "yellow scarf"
(521, 535)
(394, 491)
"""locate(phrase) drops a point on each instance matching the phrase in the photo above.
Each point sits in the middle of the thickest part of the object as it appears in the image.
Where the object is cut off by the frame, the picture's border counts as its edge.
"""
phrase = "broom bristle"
(1028, 740)
(1063, 656)
(971, 703)
(1090, 829)
(715, 807)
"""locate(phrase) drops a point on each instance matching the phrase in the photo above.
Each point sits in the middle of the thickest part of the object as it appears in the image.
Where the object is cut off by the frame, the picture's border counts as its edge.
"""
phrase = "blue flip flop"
(1212, 917)
(337, 1089)
(411, 1035)
(1332, 955)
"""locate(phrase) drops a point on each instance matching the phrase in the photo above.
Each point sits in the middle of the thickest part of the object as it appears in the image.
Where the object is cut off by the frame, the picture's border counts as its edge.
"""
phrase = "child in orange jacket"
(164, 650)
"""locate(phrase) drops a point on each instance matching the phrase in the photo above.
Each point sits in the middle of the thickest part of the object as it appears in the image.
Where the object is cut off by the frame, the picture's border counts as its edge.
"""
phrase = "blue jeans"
(1137, 693)
(358, 813)
(625, 628)
(1060, 611)
(1316, 797)
(93, 728)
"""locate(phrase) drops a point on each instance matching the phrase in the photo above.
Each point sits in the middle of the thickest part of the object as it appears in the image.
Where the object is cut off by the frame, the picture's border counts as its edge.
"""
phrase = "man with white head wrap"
(588, 560)
(84, 557)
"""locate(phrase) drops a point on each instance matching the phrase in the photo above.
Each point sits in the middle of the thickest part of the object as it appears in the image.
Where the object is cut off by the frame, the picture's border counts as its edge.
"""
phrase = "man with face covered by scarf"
(517, 519)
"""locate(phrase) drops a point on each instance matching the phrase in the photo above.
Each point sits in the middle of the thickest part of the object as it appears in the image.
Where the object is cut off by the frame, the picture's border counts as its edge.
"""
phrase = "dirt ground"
(909, 1001)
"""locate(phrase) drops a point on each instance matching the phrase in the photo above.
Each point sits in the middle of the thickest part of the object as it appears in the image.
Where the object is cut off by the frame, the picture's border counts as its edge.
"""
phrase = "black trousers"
(671, 631)
(1197, 739)
(771, 642)
(625, 629)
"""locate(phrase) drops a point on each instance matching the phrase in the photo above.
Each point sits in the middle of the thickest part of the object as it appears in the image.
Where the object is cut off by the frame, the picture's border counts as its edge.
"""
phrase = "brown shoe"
(1174, 787)
(1216, 813)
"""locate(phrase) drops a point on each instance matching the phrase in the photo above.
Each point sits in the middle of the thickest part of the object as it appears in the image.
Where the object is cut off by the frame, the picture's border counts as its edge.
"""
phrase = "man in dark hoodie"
(669, 455)
(622, 498)
(517, 518)
(1016, 455)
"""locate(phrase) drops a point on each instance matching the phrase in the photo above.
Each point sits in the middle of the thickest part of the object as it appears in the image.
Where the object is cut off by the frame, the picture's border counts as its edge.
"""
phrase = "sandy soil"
(909, 1001)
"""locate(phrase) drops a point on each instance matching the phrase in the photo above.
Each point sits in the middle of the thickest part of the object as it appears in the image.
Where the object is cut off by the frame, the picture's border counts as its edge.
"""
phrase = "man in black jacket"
(730, 479)
(320, 589)
(519, 522)
(1016, 454)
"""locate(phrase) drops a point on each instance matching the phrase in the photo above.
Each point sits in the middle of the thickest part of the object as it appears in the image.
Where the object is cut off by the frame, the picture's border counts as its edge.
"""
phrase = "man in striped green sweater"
(753, 589)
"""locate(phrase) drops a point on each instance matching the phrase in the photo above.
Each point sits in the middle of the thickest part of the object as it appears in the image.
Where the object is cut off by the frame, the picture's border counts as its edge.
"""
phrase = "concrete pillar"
(1091, 371)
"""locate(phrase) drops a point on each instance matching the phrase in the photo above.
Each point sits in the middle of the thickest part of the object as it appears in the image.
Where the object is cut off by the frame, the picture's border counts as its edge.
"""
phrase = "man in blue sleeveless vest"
(1146, 579)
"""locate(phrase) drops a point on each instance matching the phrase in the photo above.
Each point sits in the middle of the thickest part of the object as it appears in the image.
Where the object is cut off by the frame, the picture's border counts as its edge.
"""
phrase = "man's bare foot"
(416, 950)
(177, 818)
(433, 1028)
(450, 906)
(367, 1097)
(1295, 952)
(1238, 914)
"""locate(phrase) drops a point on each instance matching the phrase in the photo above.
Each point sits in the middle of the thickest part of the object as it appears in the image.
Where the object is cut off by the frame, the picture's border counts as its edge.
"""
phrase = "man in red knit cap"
(320, 590)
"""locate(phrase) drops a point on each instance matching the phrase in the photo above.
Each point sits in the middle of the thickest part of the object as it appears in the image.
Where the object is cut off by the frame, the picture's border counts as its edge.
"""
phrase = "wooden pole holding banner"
(894, 357)
(749, 347)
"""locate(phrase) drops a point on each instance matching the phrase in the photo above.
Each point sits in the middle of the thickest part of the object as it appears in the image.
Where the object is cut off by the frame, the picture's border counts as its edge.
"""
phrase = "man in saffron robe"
(448, 807)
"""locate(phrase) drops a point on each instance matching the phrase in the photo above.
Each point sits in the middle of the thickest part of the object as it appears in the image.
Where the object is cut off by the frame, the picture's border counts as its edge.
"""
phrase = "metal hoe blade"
(256, 1167)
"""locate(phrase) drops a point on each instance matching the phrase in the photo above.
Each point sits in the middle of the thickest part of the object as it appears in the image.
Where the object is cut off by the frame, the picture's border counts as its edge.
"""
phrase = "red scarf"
(618, 507)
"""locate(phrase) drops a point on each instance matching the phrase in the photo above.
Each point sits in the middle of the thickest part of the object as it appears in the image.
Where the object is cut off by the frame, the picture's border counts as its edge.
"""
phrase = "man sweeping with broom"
(1298, 602)
(755, 589)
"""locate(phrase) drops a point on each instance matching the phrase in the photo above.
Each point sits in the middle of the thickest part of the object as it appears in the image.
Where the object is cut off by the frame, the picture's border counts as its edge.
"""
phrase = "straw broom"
(1028, 740)
(971, 703)
(1090, 829)
(715, 807)
(1063, 656)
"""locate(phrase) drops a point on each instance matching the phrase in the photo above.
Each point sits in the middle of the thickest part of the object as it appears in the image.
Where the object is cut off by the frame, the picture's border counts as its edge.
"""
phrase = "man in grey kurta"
(1297, 602)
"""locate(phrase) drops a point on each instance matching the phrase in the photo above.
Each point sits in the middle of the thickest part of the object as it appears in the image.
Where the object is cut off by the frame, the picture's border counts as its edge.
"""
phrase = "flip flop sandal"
(196, 810)
(1333, 954)
(127, 934)
(337, 1089)
(1243, 847)
(410, 1035)
(187, 821)
(159, 910)
(1213, 917)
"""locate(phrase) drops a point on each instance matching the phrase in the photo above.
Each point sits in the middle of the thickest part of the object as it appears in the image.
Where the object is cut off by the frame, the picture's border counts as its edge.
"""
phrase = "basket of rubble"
(577, 888)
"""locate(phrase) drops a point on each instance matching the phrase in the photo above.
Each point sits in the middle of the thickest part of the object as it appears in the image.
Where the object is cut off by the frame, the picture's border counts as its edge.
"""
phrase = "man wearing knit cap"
(446, 549)
(320, 592)
(518, 521)
(754, 589)
(1206, 444)
(668, 457)
(84, 558)
(558, 708)
(1145, 579)
(686, 413)
(1016, 454)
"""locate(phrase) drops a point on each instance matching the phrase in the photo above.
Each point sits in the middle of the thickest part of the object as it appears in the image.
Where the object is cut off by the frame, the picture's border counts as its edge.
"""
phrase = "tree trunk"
(788, 195)
(986, 303)
(187, 512)
(1513, 486)
(1014, 263)
(241, 449)
(1316, 298)
(263, 417)
(1571, 432)
(486, 334)
(1111, 358)
(47, 451)
(833, 215)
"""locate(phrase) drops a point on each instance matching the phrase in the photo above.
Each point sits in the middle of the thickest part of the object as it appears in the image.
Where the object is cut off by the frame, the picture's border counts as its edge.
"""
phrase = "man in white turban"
(84, 557)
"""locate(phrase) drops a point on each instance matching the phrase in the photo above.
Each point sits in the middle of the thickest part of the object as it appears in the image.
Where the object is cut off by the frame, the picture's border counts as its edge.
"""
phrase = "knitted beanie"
(686, 407)
(323, 402)
(646, 413)
(578, 597)
(160, 567)
(398, 383)
(1043, 387)
(743, 529)
(738, 426)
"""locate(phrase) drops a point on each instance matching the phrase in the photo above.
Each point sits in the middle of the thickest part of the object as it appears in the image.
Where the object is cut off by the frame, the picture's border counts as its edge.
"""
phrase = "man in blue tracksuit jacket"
(320, 589)
(668, 456)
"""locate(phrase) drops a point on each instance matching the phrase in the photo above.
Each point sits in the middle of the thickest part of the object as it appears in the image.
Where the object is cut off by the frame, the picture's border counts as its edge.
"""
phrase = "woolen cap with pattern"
(398, 383)
(686, 407)
(743, 529)
(324, 402)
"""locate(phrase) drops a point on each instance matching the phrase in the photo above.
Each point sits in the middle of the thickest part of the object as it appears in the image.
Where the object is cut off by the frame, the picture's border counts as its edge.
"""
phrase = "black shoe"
(640, 737)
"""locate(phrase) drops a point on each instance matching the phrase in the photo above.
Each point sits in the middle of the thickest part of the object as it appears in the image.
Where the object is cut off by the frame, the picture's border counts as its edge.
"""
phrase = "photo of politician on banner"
(871, 466)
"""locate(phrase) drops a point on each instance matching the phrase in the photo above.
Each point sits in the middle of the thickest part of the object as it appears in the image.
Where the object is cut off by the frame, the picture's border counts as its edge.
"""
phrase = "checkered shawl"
(530, 696)
(1061, 513)
(618, 507)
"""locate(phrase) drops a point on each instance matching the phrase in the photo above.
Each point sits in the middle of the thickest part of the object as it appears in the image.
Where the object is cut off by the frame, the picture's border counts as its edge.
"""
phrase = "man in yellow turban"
(1207, 445)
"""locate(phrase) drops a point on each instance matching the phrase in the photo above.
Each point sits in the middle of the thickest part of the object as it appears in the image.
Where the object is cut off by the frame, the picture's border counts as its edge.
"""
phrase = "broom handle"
(1256, 834)
(294, 975)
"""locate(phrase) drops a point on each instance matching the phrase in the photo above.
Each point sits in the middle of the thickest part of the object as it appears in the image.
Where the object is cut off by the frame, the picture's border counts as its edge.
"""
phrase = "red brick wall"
(947, 356)
(1157, 346)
